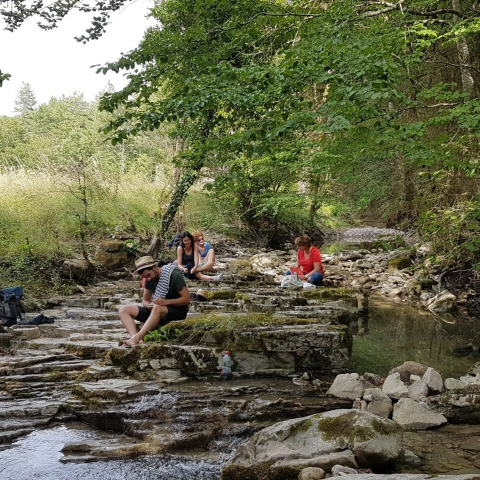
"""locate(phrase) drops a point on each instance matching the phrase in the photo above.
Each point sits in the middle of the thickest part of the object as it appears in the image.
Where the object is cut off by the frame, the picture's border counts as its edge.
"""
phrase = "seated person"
(309, 260)
(204, 259)
(186, 254)
(165, 298)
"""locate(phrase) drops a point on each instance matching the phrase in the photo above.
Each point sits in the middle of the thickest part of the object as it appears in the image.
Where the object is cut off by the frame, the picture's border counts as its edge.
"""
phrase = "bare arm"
(147, 298)
(179, 259)
(196, 258)
(182, 301)
(316, 269)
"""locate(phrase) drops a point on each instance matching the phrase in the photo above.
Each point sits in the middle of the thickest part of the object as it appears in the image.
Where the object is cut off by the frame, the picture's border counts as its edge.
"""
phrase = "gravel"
(367, 233)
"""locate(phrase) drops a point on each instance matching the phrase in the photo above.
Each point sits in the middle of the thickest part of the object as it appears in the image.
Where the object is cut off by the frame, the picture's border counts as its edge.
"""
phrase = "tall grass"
(40, 216)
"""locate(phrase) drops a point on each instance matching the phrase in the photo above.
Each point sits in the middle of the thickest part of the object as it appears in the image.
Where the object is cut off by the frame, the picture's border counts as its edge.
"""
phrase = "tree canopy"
(287, 106)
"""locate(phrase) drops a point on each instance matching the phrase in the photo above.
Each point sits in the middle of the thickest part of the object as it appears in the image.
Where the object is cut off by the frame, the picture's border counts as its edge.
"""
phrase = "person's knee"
(159, 311)
(128, 310)
(316, 279)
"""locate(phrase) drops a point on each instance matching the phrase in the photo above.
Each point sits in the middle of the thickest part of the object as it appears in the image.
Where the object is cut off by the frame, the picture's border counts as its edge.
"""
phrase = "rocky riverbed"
(168, 398)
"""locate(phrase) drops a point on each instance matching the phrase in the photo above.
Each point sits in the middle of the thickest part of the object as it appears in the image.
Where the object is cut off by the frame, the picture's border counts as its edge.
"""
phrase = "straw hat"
(144, 262)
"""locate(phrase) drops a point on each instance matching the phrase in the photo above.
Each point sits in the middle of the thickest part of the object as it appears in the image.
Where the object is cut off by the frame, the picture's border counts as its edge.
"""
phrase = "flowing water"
(37, 456)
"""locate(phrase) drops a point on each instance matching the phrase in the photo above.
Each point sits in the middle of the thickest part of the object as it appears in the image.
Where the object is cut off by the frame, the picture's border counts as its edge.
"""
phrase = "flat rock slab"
(115, 389)
(188, 360)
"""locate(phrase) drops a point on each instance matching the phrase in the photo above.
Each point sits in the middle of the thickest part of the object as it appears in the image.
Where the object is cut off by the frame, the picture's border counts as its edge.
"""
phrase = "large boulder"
(443, 302)
(351, 438)
(77, 269)
(348, 386)
(394, 387)
(413, 416)
(409, 368)
(111, 254)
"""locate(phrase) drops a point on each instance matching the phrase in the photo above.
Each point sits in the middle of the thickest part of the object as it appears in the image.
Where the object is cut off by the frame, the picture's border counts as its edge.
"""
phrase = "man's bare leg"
(158, 312)
(127, 315)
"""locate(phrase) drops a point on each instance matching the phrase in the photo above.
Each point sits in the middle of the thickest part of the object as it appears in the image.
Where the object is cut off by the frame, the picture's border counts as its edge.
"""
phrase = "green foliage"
(131, 247)
(454, 233)
(25, 101)
(163, 335)
(287, 111)
(38, 275)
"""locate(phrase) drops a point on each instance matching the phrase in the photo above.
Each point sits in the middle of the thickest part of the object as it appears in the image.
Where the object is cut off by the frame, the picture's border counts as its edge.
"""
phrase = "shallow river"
(390, 334)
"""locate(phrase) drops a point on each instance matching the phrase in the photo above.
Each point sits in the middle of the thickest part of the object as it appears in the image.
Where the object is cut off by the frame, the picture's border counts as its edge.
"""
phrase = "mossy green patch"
(220, 294)
(399, 263)
(344, 427)
(56, 376)
(333, 428)
(301, 427)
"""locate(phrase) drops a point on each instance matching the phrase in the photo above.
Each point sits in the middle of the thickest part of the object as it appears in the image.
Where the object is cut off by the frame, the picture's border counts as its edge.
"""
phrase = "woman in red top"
(309, 260)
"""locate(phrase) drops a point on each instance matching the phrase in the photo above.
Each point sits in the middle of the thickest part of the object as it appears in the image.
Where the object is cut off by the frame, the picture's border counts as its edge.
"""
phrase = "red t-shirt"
(306, 264)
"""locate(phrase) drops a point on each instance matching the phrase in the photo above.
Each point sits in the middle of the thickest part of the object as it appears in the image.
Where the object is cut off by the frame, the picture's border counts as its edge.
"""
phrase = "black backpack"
(10, 307)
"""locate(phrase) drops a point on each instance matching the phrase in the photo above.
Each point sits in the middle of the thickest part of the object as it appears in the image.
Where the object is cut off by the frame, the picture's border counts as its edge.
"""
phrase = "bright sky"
(54, 63)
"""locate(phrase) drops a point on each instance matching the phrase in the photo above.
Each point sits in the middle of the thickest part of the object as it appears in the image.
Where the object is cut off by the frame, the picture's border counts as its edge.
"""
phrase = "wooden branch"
(400, 6)
(428, 21)
(435, 12)
(459, 65)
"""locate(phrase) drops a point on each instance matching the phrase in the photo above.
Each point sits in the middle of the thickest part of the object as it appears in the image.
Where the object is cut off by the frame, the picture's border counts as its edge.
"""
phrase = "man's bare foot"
(131, 342)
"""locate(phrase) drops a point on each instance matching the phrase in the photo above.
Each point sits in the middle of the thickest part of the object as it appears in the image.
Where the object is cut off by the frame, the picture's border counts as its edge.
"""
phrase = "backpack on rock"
(10, 307)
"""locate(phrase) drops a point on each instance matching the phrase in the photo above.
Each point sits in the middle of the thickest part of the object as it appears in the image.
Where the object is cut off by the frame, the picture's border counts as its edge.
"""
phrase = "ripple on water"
(37, 457)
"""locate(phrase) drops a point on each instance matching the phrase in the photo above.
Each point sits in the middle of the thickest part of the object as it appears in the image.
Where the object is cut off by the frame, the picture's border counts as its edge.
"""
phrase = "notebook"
(294, 270)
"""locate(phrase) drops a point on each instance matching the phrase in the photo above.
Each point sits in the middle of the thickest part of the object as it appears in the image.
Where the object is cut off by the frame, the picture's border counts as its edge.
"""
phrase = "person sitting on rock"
(186, 254)
(204, 259)
(309, 260)
(165, 298)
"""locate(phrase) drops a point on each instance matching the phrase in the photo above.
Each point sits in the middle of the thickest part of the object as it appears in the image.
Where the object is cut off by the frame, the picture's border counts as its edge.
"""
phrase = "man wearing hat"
(165, 299)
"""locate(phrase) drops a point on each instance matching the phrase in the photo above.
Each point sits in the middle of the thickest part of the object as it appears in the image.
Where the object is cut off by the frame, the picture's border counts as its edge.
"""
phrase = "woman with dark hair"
(309, 260)
(186, 254)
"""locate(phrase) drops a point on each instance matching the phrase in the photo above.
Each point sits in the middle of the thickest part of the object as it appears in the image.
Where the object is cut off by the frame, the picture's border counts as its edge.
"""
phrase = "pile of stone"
(405, 395)
(393, 274)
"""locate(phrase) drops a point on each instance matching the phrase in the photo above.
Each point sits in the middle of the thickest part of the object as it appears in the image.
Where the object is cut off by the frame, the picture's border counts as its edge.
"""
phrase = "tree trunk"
(187, 179)
(468, 83)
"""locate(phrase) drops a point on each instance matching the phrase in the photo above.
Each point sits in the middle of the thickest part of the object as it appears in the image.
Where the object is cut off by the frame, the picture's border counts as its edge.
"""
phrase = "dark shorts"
(189, 275)
(174, 313)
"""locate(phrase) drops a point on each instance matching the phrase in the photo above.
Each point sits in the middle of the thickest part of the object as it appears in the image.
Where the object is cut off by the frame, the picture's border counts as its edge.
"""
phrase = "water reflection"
(395, 332)
(37, 456)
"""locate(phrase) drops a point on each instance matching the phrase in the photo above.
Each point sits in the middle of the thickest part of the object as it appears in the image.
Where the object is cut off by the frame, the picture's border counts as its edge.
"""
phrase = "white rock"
(455, 384)
(339, 470)
(394, 387)
(433, 380)
(418, 390)
(412, 416)
(347, 386)
(312, 473)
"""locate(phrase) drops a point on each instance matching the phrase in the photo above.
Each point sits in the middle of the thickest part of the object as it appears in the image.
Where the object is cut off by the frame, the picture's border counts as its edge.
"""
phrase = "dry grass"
(39, 210)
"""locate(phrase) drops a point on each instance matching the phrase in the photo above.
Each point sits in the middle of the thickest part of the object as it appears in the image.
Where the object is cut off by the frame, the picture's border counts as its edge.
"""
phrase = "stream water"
(38, 456)
(388, 335)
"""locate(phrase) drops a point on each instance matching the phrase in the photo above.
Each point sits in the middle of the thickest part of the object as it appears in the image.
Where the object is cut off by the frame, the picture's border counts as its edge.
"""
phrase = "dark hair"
(303, 241)
(186, 234)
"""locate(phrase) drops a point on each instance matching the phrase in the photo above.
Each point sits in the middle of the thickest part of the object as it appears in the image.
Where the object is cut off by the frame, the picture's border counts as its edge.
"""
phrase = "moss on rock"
(399, 263)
